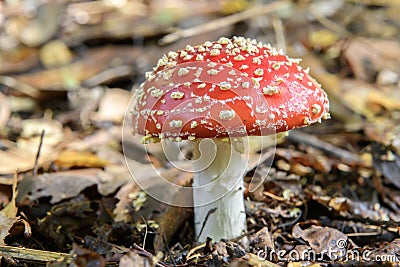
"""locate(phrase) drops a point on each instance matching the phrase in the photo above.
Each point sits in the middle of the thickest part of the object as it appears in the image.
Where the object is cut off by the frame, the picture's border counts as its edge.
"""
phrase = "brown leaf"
(262, 240)
(316, 161)
(4, 111)
(390, 252)
(97, 139)
(70, 158)
(367, 56)
(72, 75)
(8, 215)
(86, 258)
(387, 162)
(367, 99)
(113, 177)
(120, 211)
(323, 240)
(385, 131)
(134, 259)
(21, 155)
(17, 60)
(60, 185)
(113, 105)
(22, 158)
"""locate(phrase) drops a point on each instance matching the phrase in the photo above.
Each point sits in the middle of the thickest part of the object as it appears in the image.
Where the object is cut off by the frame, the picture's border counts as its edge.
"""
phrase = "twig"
(211, 211)
(236, 239)
(292, 222)
(35, 168)
(109, 75)
(191, 252)
(329, 24)
(279, 33)
(225, 21)
(169, 251)
(143, 252)
(145, 233)
(310, 140)
(32, 254)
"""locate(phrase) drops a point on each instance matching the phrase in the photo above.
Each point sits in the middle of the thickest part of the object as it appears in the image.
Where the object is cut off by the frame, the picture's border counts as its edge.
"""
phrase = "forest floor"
(68, 70)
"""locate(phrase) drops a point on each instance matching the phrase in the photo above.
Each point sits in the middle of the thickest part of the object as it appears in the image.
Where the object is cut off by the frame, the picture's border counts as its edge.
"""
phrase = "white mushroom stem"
(218, 190)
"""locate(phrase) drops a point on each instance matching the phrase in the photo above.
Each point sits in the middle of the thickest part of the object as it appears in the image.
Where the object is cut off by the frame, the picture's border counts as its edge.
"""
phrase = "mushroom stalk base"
(218, 192)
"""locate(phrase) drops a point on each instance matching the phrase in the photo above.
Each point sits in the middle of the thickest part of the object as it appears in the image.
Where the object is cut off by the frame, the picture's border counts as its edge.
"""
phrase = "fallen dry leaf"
(262, 240)
(58, 186)
(100, 138)
(72, 75)
(113, 105)
(367, 56)
(8, 215)
(367, 99)
(84, 257)
(113, 177)
(387, 162)
(20, 59)
(385, 131)
(33, 128)
(4, 111)
(121, 211)
(22, 156)
(390, 252)
(134, 259)
(71, 158)
(323, 240)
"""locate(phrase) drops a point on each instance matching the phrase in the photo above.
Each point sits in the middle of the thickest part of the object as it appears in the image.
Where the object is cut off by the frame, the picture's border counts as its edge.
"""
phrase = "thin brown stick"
(279, 33)
(225, 21)
(210, 212)
(311, 140)
(35, 168)
(32, 254)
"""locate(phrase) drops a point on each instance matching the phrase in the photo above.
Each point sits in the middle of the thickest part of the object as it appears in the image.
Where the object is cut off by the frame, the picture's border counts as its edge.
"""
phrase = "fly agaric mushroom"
(225, 90)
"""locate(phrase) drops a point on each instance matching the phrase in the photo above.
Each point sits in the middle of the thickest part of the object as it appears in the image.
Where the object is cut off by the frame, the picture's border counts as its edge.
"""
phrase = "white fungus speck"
(315, 108)
(245, 85)
(175, 123)
(259, 72)
(212, 72)
(202, 85)
(223, 40)
(239, 58)
(199, 57)
(224, 85)
(157, 92)
(183, 71)
(193, 124)
(215, 52)
(270, 90)
(226, 114)
(177, 95)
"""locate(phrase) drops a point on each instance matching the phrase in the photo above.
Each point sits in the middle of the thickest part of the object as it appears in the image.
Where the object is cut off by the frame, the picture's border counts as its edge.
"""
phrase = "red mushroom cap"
(231, 87)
